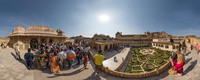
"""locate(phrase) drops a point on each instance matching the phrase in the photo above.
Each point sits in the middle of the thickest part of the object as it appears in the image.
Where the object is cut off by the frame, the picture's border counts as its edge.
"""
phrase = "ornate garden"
(147, 59)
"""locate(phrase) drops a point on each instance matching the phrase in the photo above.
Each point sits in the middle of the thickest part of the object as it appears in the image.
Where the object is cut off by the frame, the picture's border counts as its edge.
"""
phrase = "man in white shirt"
(87, 51)
(17, 51)
(63, 56)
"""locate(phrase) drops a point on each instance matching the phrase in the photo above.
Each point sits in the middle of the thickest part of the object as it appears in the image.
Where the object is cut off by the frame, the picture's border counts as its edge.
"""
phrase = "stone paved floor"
(120, 57)
(11, 69)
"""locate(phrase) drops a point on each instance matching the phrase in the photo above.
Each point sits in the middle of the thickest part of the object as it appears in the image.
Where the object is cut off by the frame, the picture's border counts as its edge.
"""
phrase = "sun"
(104, 17)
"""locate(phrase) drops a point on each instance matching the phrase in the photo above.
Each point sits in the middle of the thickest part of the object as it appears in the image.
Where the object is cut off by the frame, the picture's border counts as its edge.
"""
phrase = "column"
(47, 39)
(108, 46)
(97, 47)
(102, 47)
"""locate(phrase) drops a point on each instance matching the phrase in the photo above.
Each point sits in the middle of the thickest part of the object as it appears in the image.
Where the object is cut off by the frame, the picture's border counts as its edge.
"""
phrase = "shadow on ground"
(193, 63)
(188, 53)
(188, 60)
(21, 61)
(93, 76)
(67, 74)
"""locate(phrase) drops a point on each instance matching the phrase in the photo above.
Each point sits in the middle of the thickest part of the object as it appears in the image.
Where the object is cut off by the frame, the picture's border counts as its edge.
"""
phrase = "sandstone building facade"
(34, 35)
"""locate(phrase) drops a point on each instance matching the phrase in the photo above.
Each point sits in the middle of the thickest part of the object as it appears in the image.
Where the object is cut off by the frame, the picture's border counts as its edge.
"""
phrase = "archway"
(50, 41)
(106, 48)
(34, 43)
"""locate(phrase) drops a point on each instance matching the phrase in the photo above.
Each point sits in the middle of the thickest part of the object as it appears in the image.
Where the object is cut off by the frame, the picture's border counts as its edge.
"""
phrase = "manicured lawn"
(136, 68)
(151, 61)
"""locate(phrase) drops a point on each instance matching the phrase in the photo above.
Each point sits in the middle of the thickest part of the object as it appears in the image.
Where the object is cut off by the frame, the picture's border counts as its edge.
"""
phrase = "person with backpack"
(63, 55)
(70, 56)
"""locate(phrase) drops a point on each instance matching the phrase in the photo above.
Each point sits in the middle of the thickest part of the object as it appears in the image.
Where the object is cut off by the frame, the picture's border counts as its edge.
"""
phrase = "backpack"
(59, 62)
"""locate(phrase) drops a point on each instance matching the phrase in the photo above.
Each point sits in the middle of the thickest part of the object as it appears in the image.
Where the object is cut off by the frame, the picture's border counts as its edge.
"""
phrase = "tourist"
(184, 50)
(178, 64)
(29, 57)
(179, 46)
(70, 56)
(191, 47)
(54, 63)
(2, 45)
(174, 54)
(98, 58)
(87, 51)
(43, 60)
(63, 55)
(85, 61)
(78, 55)
(197, 48)
(17, 51)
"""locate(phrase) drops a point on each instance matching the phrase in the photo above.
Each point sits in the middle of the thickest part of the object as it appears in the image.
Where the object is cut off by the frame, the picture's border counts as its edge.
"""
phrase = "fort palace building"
(34, 35)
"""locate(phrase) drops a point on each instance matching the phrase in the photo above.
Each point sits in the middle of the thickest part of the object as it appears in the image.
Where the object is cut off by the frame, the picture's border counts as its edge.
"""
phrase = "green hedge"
(165, 57)
(128, 69)
(140, 55)
(152, 57)
(137, 68)
(151, 61)
(158, 60)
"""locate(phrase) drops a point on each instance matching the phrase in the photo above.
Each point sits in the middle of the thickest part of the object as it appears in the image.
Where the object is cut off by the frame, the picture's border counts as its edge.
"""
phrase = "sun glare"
(104, 17)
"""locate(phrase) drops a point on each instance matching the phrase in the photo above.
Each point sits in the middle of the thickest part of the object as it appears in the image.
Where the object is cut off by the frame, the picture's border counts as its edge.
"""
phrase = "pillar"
(47, 39)
(102, 47)
(97, 47)
(108, 46)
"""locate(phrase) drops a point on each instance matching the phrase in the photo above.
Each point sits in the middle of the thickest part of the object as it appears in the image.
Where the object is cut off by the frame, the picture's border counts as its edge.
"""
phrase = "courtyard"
(16, 70)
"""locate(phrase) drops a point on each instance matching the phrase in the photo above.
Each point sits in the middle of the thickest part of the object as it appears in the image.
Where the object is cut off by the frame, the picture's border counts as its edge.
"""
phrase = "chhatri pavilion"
(33, 35)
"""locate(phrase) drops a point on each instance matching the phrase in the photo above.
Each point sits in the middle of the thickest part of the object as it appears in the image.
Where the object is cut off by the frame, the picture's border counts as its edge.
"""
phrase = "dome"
(19, 29)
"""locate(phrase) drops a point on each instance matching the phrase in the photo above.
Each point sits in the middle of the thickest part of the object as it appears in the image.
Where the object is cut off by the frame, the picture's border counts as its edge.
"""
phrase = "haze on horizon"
(87, 17)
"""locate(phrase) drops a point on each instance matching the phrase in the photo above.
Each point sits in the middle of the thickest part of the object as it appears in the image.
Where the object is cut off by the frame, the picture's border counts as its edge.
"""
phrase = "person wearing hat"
(98, 59)
(17, 51)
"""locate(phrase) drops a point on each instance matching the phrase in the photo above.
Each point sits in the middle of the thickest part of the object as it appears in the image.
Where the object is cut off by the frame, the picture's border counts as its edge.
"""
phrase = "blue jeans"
(88, 55)
(70, 62)
(78, 59)
(29, 64)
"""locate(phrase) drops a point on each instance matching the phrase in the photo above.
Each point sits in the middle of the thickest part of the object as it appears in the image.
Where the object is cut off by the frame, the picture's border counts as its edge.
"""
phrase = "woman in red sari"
(178, 64)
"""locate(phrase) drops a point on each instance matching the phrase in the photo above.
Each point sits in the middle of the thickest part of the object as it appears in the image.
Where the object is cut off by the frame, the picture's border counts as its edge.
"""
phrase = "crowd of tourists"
(59, 56)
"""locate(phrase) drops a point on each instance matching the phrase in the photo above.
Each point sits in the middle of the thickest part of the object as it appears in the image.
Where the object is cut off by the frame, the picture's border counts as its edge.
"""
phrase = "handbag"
(172, 71)
(59, 62)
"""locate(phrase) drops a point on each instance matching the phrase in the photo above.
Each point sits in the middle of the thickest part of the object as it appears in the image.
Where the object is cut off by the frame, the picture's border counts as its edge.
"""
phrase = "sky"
(81, 17)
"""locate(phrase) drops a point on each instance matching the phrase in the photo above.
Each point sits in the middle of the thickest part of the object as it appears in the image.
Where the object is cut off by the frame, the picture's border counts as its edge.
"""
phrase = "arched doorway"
(34, 43)
(106, 48)
(50, 41)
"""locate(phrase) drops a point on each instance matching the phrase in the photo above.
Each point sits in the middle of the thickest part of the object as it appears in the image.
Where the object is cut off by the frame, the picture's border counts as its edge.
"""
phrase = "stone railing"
(132, 75)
